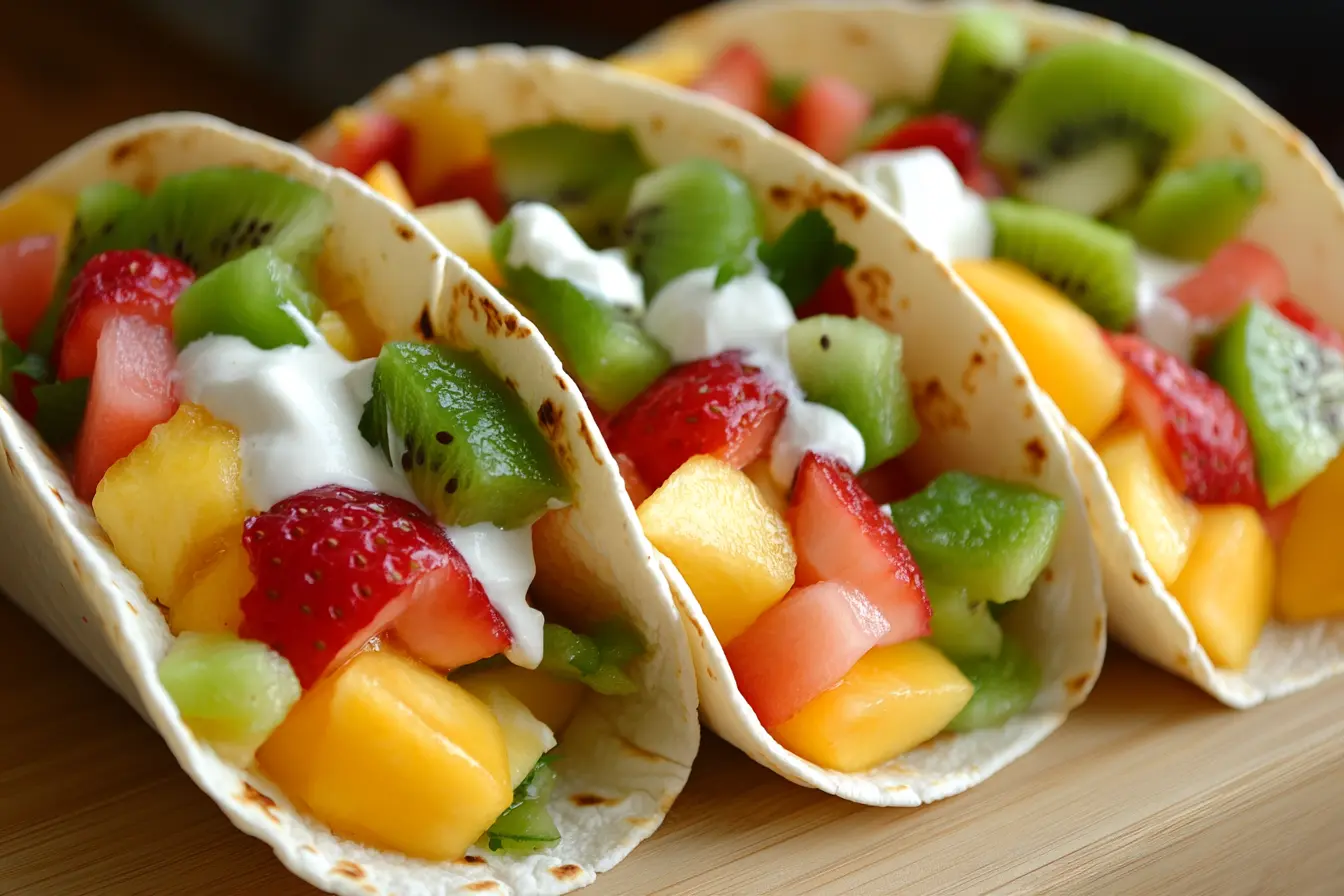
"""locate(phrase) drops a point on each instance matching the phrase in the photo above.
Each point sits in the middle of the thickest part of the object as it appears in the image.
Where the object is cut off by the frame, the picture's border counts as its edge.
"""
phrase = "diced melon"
(552, 700)
(679, 65)
(384, 179)
(733, 549)
(1311, 565)
(893, 700)
(388, 753)
(36, 212)
(465, 231)
(758, 471)
(213, 603)
(526, 738)
(444, 139)
(337, 332)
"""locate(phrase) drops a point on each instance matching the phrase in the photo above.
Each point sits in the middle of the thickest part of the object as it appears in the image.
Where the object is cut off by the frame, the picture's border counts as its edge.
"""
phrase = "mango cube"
(213, 603)
(678, 65)
(384, 179)
(463, 229)
(526, 738)
(444, 139)
(734, 550)
(1311, 566)
(893, 700)
(551, 700)
(338, 334)
(387, 752)
(36, 213)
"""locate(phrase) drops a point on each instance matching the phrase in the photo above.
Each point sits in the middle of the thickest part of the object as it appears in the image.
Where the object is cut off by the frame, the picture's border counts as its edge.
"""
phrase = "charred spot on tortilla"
(1078, 683)
(1028, 411)
(405, 233)
(482, 886)
(566, 872)
(548, 416)
(656, 124)
(1036, 455)
(876, 283)
(1020, 381)
(255, 797)
(130, 606)
(426, 325)
(1047, 575)
(1138, 578)
(585, 800)
(347, 868)
(511, 383)
(122, 152)
(1098, 629)
(471, 860)
(56, 493)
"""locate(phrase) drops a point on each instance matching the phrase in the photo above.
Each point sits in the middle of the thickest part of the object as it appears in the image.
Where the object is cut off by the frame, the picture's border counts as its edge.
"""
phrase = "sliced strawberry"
(450, 621)
(1239, 272)
(832, 297)
(717, 406)
(365, 137)
(841, 535)
(27, 275)
(131, 392)
(1191, 423)
(635, 486)
(948, 134)
(116, 284)
(801, 647)
(476, 182)
(828, 115)
(889, 482)
(738, 76)
(1279, 519)
(1301, 315)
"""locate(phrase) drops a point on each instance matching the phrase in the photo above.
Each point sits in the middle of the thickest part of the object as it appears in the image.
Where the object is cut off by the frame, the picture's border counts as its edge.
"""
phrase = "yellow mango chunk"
(1227, 586)
(552, 700)
(733, 549)
(334, 329)
(384, 179)
(1062, 345)
(1164, 520)
(213, 603)
(34, 213)
(464, 230)
(171, 505)
(526, 738)
(389, 753)
(444, 139)
(344, 295)
(893, 700)
(1311, 565)
(678, 65)
(758, 471)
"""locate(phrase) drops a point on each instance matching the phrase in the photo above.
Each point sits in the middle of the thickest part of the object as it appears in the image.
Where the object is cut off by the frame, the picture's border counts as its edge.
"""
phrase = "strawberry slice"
(1303, 316)
(1191, 423)
(716, 406)
(827, 116)
(365, 137)
(1239, 272)
(738, 76)
(821, 629)
(832, 297)
(27, 275)
(985, 182)
(116, 284)
(1279, 520)
(841, 535)
(475, 182)
(948, 134)
(450, 621)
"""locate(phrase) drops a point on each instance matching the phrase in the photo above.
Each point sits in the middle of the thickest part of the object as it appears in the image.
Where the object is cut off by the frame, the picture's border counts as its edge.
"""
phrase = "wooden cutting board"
(1151, 788)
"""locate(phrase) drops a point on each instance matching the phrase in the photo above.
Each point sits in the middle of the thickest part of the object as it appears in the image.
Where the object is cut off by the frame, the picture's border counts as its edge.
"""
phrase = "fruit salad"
(1052, 179)
(338, 531)
(759, 424)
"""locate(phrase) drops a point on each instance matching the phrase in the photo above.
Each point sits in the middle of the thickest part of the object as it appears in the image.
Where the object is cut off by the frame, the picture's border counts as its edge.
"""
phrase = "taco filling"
(760, 427)
(339, 531)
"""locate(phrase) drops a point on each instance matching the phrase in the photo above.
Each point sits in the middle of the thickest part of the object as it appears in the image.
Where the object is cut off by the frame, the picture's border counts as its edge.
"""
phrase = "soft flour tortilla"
(624, 761)
(979, 410)
(896, 47)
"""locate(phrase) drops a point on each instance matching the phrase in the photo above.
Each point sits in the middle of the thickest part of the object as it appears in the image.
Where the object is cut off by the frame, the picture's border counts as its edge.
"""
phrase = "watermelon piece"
(27, 276)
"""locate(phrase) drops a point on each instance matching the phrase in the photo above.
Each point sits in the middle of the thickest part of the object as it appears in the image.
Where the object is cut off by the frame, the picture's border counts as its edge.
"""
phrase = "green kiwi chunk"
(1189, 212)
(1005, 686)
(1092, 263)
(247, 297)
(526, 826)
(986, 52)
(962, 628)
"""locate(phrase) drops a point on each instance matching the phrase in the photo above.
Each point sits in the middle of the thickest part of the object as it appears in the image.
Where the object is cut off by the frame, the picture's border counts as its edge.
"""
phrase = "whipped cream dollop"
(544, 241)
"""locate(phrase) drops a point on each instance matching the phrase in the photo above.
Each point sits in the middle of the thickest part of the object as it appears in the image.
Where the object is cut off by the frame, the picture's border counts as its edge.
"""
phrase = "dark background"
(68, 67)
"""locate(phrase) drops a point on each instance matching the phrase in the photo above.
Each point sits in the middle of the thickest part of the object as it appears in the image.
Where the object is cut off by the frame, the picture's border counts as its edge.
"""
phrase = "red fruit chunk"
(634, 483)
(832, 297)
(130, 393)
(116, 284)
(1279, 519)
(27, 275)
(801, 647)
(450, 621)
(366, 137)
(1237, 273)
(985, 182)
(841, 535)
(25, 402)
(1191, 423)
(948, 134)
(473, 182)
(889, 482)
(1299, 314)
(738, 76)
(717, 406)
(828, 114)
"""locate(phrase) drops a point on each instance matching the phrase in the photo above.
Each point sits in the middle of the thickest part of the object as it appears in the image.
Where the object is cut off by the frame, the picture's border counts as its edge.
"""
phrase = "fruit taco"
(303, 490)
(880, 552)
(1162, 248)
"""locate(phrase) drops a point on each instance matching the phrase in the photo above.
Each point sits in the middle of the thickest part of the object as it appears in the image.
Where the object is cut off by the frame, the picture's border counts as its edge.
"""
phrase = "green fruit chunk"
(1189, 212)
(585, 174)
(886, 117)
(246, 297)
(1005, 686)
(597, 661)
(526, 826)
(962, 629)
(691, 215)
(804, 256)
(230, 692)
(60, 410)
(607, 351)
(990, 537)
(468, 445)
(854, 366)
(1290, 389)
(784, 90)
(987, 50)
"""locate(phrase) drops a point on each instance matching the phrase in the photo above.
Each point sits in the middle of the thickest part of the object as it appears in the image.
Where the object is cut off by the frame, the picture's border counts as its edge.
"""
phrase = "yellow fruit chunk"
(1164, 520)
(334, 329)
(1227, 586)
(344, 294)
(893, 700)
(1311, 564)
(465, 231)
(389, 753)
(732, 548)
(678, 65)
(1062, 345)
(443, 139)
(552, 700)
(36, 212)
(526, 738)
(213, 602)
(758, 471)
(172, 503)
(383, 177)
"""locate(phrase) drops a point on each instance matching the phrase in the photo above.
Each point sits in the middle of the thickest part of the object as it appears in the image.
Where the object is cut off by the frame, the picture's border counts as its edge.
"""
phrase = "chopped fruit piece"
(597, 661)
(230, 693)
(962, 629)
(842, 536)
(948, 134)
(801, 647)
(737, 76)
(828, 115)
(526, 826)
(214, 602)
(718, 407)
(804, 256)
(1278, 520)
(1063, 347)
(1227, 586)
(1310, 582)
(443, 140)
(393, 755)
(334, 567)
(987, 49)
(679, 65)
(363, 138)
(464, 230)
(733, 550)
(1237, 273)
(985, 182)
(130, 393)
(385, 181)
(1191, 424)
(1303, 316)
(893, 700)
(552, 700)
(338, 334)
(36, 213)
(450, 622)
(1164, 521)
(635, 487)
(174, 502)
(833, 297)
(1189, 212)
(116, 284)
(27, 274)
(891, 481)
(476, 183)
(886, 117)
(758, 471)
(254, 296)
(1005, 686)
(526, 739)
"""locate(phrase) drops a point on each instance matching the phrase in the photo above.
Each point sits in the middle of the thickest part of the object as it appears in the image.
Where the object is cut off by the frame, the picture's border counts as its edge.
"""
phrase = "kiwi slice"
(469, 446)
(583, 173)
(1090, 262)
(1005, 686)
(691, 215)
(986, 52)
(1115, 99)
(247, 297)
(1189, 212)
(962, 629)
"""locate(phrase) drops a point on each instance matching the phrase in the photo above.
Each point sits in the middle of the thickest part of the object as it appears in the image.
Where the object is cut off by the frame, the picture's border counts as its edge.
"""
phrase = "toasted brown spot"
(1028, 411)
(548, 415)
(903, 303)
(130, 606)
(713, 676)
(1020, 381)
(911, 244)
(973, 365)
(510, 325)
(55, 493)
(482, 886)
(639, 752)
(1098, 629)
(566, 872)
(938, 409)
(1183, 661)
(781, 195)
(511, 383)
(656, 124)
(9, 461)
(876, 286)
(425, 324)
(1036, 43)
(815, 195)
(638, 821)
(494, 318)
(308, 847)
(560, 381)
(857, 36)
(471, 860)
(1078, 683)
(122, 152)
(405, 233)
(695, 624)
(1138, 578)
(1048, 575)
(1237, 140)
(1036, 455)
(254, 796)
(584, 800)
(731, 144)
(84, 619)
(587, 437)
(347, 868)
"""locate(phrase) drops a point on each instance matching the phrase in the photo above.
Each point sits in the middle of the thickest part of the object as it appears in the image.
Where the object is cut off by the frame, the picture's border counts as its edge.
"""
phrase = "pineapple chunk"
(443, 139)
(464, 230)
(344, 295)
(1164, 520)
(679, 65)
(35, 213)
(213, 603)
(391, 754)
(758, 471)
(552, 700)
(1311, 567)
(1227, 586)
(733, 549)
(334, 329)
(172, 503)
(526, 738)
(893, 700)
(384, 179)
(1062, 346)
